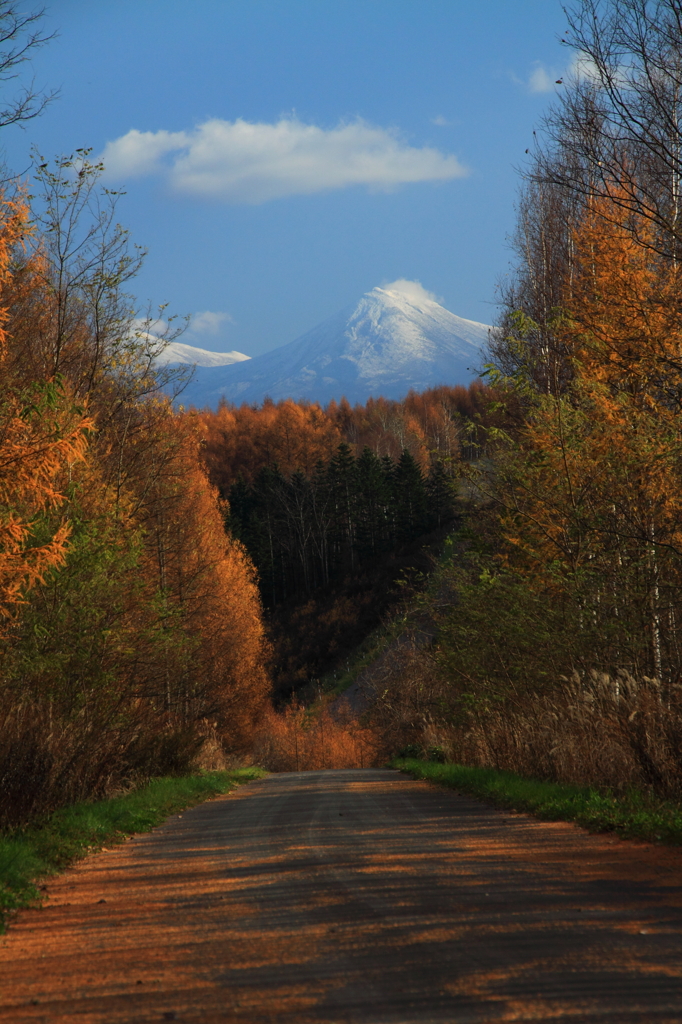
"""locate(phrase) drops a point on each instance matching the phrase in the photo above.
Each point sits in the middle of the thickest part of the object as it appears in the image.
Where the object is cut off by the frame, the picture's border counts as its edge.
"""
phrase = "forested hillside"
(340, 507)
(313, 492)
(139, 545)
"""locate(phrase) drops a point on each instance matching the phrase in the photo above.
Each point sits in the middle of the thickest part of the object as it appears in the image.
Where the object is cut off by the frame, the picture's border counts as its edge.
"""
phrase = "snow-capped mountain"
(176, 353)
(395, 338)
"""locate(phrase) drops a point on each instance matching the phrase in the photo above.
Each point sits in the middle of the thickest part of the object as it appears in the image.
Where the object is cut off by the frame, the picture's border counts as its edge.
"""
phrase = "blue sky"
(281, 157)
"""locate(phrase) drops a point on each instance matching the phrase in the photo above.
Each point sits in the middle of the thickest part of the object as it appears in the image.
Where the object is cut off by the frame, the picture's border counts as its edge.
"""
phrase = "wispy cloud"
(138, 153)
(583, 69)
(244, 162)
(441, 121)
(412, 290)
(208, 322)
(580, 69)
(540, 80)
(200, 326)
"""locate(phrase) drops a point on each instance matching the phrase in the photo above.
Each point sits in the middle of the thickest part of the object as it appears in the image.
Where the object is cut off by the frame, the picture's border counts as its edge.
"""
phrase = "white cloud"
(540, 80)
(204, 324)
(580, 69)
(412, 290)
(208, 322)
(148, 327)
(441, 121)
(583, 69)
(139, 153)
(243, 162)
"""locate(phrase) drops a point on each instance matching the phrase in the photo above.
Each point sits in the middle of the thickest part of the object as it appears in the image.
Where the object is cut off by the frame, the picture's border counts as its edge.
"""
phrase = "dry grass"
(610, 731)
(301, 739)
(47, 762)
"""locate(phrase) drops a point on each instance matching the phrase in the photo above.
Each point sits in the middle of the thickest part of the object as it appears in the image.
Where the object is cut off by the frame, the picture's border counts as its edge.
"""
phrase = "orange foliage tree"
(593, 495)
(238, 441)
(208, 591)
(41, 433)
(132, 622)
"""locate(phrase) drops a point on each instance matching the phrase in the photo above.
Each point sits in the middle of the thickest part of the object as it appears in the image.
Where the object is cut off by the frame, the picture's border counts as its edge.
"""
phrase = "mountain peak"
(395, 338)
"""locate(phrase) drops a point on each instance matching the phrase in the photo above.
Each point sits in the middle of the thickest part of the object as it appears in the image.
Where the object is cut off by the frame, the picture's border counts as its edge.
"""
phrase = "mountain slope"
(396, 338)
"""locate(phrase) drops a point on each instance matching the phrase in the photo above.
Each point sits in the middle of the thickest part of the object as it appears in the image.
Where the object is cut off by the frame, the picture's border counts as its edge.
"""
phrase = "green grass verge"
(632, 815)
(33, 854)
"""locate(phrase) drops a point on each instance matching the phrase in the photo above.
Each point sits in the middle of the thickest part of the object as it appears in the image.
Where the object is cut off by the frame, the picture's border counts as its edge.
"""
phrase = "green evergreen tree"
(410, 500)
(322, 503)
(239, 511)
(373, 504)
(296, 514)
(342, 482)
(256, 519)
(440, 491)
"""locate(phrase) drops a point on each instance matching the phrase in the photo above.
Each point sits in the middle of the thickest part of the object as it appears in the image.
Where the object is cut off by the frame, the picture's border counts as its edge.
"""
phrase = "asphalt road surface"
(353, 896)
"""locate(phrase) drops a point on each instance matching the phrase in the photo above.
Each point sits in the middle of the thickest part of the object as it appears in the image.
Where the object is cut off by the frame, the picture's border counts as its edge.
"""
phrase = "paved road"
(353, 896)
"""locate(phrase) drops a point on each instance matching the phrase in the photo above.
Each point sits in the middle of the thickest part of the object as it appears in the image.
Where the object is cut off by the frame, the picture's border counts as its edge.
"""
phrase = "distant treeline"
(314, 493)
(303, 531)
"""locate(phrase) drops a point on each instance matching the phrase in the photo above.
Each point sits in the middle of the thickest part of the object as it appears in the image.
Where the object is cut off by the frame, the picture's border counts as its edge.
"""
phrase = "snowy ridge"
(395, 338)
(176, 353)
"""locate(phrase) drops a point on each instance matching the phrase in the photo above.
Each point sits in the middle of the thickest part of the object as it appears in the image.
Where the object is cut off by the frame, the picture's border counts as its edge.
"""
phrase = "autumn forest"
(182, 588)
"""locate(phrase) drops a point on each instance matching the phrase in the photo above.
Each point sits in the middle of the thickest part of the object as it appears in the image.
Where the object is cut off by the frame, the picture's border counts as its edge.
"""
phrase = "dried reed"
(609, 731)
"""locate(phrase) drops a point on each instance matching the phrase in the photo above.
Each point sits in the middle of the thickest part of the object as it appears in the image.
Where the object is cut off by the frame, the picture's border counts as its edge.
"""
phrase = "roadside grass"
(30, 855)
(633, 815)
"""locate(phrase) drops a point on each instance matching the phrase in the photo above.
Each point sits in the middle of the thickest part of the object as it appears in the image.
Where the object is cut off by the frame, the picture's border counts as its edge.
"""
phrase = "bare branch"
(20, 37)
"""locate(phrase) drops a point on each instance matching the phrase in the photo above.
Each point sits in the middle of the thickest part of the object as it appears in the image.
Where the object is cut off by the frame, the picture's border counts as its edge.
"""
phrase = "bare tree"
(615, 132)
(527, 340)
(20, 37)
(618, 124)
(89, 328)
